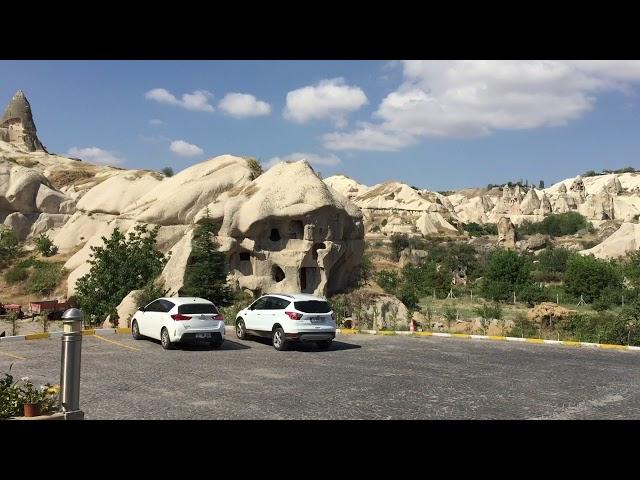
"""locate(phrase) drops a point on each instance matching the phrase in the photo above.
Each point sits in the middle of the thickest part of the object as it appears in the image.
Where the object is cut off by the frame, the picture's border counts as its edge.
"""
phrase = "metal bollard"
(70, 364)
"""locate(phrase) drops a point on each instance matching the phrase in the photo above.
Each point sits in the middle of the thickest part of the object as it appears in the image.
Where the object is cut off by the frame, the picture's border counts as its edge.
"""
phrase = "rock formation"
(17, 126)
(506, 234)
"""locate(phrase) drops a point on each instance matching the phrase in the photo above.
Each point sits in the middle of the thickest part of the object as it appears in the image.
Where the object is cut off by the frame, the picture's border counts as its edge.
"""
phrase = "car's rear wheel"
(165, 339)
(135, 331)
(241, 331)
(278, 339)
(324, 344)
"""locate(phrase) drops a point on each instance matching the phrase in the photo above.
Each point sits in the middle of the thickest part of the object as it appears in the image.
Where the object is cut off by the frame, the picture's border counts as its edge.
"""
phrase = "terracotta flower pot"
(31, 409)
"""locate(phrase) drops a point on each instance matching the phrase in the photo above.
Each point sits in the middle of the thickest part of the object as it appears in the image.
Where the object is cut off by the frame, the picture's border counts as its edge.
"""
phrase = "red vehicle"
(52, 308)
(14, 307)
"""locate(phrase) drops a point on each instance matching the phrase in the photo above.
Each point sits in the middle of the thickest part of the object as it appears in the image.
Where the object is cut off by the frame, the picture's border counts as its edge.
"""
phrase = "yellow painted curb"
(422, 334)
(89, 332)
(610, 346)
(348, 331)
(571, 344)
(386, 332)
(534, 340)
(461, 335)
(495, 337)
(35, 336)
(123, 330)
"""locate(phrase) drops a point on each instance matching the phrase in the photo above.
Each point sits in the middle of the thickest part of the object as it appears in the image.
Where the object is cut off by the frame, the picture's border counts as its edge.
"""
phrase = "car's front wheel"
(278, 339)
(241, 331)
(165, 339)
(135, 331)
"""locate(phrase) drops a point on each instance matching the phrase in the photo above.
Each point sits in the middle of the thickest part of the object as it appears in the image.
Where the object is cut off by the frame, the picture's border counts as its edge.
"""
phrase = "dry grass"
(62, 178)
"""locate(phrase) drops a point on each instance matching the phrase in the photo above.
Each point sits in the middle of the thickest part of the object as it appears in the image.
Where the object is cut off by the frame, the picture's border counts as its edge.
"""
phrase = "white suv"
(287, 319)
(179, 319)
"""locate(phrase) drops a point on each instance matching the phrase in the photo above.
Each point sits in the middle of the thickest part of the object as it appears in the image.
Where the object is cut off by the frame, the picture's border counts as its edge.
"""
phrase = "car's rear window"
(312, 306)
(193, 308)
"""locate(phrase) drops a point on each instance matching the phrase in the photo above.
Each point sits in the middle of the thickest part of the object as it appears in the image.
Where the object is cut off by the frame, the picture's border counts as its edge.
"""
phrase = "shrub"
(45, 278)
(388, 280)
(365, 269)
(590, 173)
(149, 293)
(167, 171)
(424, 278)
(450, 315)
(522, 327)
(10, 403)
(398, 243)
(16, 274)
(121, 265)
(408, 296)
(255, 167)
(556, 225)
(553, 260)
(45, 246)
(9, 245)
(12, 318)
(488, 312)
(475, 229)
(230, 311)
(589, 277)
(506, 272)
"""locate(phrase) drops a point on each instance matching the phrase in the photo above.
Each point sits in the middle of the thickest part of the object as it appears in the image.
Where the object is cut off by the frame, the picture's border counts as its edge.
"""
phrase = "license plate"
(203, 335)
(317, 319)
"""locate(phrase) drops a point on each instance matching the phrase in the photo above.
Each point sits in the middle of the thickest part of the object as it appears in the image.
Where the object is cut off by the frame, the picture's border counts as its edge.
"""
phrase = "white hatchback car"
(179, 319)
(288, 319)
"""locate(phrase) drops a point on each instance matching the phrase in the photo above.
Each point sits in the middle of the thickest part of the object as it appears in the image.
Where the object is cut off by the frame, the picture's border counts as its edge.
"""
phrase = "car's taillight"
(218, 317)
(179, 316)
(294, 315)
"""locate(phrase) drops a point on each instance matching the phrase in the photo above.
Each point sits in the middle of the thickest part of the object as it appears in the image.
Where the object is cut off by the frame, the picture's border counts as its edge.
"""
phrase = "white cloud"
(95, 155)
(331, 99)
(474, 98)
(184, 149)
(155, 122)
(243, 105)
(197, 100)
(314, 159)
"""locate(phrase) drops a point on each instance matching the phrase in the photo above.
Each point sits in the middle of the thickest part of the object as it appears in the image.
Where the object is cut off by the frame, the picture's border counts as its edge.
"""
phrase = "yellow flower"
(53, 390)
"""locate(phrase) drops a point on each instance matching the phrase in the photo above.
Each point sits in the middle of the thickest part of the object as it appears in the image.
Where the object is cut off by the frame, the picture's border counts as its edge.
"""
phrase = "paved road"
(361, 377)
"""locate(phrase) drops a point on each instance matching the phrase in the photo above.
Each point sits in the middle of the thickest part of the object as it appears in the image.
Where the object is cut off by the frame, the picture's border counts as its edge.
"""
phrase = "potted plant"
(37, 401)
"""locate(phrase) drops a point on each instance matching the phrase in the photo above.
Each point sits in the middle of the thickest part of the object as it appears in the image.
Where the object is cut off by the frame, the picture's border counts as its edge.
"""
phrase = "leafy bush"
(601, 328)
(45, 278)
(408, 296)
(9, 245)
(241, 300)
(506, 272)
(590, 173)
(149, 293)
(553, 260)
(365, 269)
(556, 225)
(589, 277)
(488, 312)
(450, 315)
(522, 327)
(121, 265)
(254, 166)
(426, 277)
(475, 229)
(167, 171)
(10, 404)
(16, 274)
(45, 246)
(205, 275)
(388, 280)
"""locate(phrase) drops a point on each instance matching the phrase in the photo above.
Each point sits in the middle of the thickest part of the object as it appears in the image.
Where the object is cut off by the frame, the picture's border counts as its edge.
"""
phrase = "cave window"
(275, 235)
(316, 247)
(296, 229)
(277, 274)
(245, 256)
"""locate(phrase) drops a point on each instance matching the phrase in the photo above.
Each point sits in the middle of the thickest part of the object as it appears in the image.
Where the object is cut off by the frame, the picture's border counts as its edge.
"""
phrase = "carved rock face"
(17, 126)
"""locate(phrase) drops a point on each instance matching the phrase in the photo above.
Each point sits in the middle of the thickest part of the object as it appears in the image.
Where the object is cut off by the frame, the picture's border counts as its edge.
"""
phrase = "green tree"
(167, 171)
(423, 279)
(388, 280)
(552, 263)
(365, 269)
(589, 277)
(541, 184)
(121, 265)
(9, 245)
(632, 268)
(45, 246)
(205, 275)
(506, 272)
(556, 225)
(488, 312)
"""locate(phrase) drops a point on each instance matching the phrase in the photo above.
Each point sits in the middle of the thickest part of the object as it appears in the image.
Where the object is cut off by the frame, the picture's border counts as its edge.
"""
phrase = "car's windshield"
(312, 306)
(193, 308)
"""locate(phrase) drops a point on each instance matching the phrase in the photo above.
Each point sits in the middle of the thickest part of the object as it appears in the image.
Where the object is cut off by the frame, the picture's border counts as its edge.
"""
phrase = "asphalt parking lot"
(361, 377)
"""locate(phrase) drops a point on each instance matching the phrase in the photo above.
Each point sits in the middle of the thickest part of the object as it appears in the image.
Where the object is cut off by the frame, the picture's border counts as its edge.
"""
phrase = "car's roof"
(183, 300)
(296, 296)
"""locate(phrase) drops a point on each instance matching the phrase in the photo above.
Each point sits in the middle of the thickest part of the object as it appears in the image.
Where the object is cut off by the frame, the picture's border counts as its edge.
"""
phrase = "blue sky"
(435, 124)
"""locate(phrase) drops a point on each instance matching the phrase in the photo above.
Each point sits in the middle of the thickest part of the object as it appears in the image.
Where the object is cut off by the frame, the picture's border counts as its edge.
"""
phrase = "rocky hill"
(284, 230)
